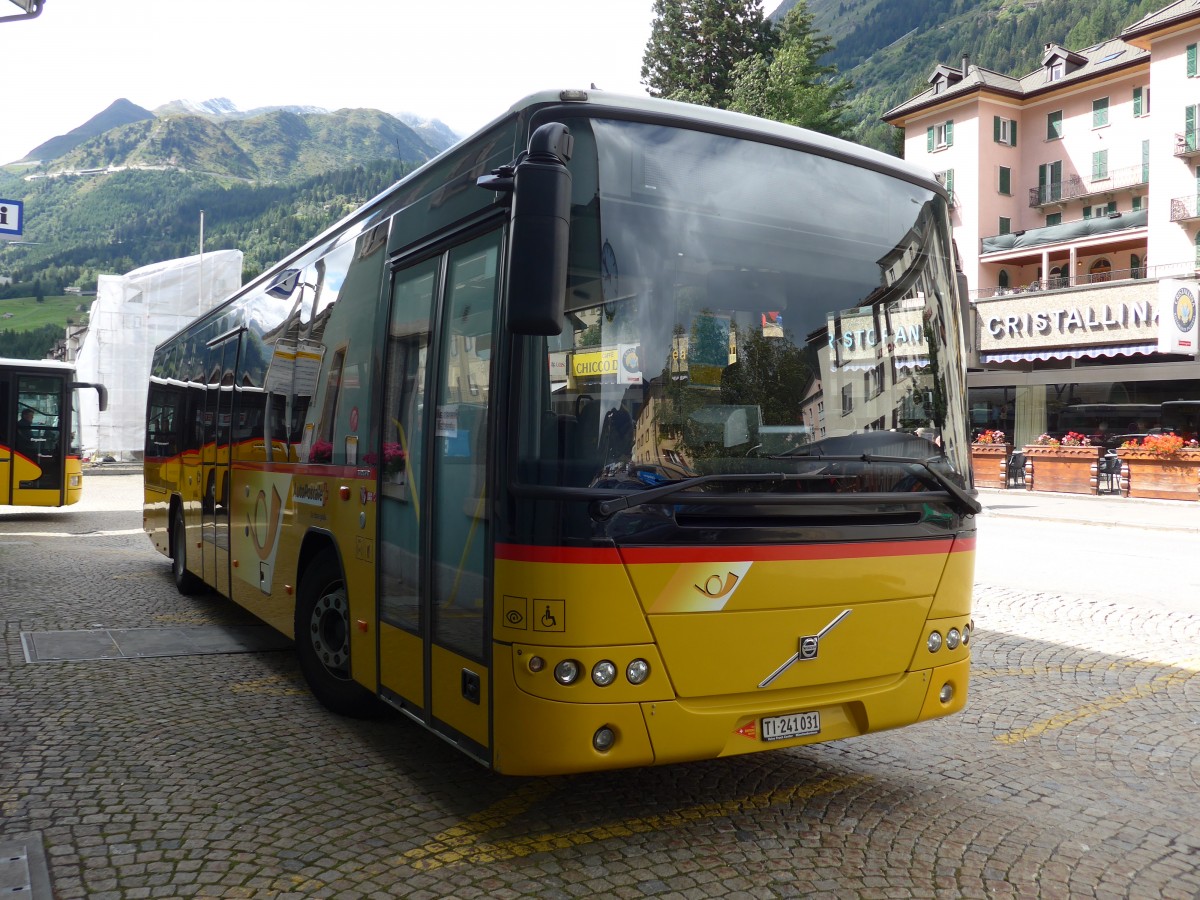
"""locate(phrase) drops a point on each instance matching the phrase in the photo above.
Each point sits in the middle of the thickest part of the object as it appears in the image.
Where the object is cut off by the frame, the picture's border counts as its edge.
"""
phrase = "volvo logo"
(806, 649)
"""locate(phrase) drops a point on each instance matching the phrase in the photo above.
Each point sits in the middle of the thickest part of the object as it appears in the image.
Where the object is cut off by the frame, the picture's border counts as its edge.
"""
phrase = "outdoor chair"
(1108, 474)
(1014, 471)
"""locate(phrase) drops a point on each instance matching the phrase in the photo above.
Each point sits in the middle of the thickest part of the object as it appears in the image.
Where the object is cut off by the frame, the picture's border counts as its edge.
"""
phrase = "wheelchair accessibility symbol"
(549, 615)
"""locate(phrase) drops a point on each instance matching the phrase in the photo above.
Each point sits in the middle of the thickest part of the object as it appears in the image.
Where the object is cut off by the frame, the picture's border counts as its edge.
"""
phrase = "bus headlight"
(934, 642)
(604, 673)
(952, 638)
(946, 694)
(566, 672)
(637, 671)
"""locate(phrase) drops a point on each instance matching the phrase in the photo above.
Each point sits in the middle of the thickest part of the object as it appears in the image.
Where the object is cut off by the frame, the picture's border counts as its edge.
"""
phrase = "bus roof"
(52, 364)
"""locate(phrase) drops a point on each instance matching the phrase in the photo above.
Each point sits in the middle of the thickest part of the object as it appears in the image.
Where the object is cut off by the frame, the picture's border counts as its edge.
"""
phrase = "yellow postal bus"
(39, 433)
(625, 432)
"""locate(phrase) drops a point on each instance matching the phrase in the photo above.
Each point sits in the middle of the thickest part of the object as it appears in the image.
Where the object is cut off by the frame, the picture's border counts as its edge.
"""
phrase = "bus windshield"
(738, 308)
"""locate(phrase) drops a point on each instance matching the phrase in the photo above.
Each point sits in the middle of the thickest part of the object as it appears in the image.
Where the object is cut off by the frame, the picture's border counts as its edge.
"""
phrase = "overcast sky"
(463, 61)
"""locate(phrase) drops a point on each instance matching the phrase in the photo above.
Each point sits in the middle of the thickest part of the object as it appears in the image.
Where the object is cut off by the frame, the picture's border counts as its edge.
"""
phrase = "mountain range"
(275, 143)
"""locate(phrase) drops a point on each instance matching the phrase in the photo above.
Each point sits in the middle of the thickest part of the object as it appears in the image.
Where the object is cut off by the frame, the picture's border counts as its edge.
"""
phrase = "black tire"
(185, 581)
(323, 640)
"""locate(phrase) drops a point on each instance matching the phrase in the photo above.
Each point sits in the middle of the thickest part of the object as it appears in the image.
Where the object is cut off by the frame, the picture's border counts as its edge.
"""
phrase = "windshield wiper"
(966, 503)
(965, 500)
(605, 508)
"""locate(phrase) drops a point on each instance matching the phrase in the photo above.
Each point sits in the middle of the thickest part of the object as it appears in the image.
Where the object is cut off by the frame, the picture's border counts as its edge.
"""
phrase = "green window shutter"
(1054, 219)
(1189, 127)
(1087, 212)
(1112, 206)
(1099, 112)
(929, 138)
(949, 132)
(996, 129)
(1191, 61)
(1137, 101)
(1012, 132)
(1145, 161)
(1005, 180)
(950, 181)
(1005, 225)
(1099, 165)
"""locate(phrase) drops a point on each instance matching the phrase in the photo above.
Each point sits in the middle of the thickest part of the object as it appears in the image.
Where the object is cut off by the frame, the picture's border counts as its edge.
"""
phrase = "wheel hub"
(329, 631)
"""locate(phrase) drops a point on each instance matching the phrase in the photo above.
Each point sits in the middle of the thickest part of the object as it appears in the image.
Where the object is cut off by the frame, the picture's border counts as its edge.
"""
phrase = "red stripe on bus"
(650, 555)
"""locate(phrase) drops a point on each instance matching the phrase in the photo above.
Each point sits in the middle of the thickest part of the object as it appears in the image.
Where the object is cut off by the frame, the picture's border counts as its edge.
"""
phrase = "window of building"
(847, 399)
(1100, 112)
(1056, 279)
(1005, 224)
(1004, 131)
(1137, 203)
(1058, 69)
(1054, 126)
(940, 136)
(1002, 280)
(1141, 101)
(1050, 182)
(1191, 61)
(946, 179)
(1135, 266)
(1054, 219)
(1099, 165)
(1190, 116)
(1005, 180)
(1100, 212)
(1100, 270)
(1145, 162)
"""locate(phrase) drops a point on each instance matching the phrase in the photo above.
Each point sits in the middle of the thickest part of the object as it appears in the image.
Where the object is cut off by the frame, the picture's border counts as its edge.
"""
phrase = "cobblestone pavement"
(1074, 771)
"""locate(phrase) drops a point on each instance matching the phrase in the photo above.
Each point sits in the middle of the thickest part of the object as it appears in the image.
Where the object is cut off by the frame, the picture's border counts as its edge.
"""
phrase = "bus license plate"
(781, 728)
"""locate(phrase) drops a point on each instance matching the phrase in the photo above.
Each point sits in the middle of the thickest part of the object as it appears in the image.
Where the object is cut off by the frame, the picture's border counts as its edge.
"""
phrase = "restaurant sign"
(1029, 321)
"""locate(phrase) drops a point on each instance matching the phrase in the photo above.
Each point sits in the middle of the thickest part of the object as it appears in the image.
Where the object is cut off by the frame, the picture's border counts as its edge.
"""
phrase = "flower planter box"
(988, 463)
(1155, 477)
(1065, 470)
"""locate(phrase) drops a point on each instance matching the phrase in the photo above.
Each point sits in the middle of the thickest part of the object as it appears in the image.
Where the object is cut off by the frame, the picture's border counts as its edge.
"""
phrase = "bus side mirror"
(539, 233)
(101, 392)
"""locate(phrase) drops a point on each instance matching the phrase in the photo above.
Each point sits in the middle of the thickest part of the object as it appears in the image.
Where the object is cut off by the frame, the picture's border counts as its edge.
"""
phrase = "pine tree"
(695, 45)
(793, 86)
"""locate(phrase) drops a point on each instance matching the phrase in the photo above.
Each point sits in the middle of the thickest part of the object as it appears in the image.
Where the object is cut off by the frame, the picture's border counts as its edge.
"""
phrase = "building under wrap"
(131, 315)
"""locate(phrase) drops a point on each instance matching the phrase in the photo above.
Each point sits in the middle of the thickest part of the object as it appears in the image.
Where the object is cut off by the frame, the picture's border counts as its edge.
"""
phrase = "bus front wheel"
(185, 581)
(323, 639)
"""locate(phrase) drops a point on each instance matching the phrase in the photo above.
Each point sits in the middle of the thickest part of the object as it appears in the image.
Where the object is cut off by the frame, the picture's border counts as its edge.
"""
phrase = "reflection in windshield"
(733, 302)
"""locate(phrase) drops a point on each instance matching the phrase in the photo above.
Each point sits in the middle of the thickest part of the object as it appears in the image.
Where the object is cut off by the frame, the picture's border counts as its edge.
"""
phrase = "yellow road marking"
(1180, 672)
(465, 843)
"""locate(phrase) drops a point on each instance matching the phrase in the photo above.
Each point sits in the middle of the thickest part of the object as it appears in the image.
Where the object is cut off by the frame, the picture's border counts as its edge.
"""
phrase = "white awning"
(1034, 354)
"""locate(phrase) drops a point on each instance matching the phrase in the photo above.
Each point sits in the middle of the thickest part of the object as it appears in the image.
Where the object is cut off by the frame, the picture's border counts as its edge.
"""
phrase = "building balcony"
(1059, 193)
(1089, 281)
(1185, 209)
(1187, 145)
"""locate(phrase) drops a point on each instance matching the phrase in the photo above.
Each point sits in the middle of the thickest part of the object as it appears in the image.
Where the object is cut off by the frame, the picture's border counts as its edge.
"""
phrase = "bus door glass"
(401, 610)
(42, 428)
(218, 422)
(434, 524)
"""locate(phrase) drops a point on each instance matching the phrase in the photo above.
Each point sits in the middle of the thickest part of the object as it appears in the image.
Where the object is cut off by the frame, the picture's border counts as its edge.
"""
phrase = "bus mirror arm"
(539, 233)
(101, 392)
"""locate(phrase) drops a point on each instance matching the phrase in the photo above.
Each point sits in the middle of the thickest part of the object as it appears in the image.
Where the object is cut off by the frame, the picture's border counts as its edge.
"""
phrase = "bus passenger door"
(218, 422)
(434, 534)
(38, 456)
(8, 416)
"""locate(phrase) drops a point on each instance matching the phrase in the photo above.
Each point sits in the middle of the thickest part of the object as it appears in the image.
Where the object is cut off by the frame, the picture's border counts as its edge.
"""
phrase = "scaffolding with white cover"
(130, 316)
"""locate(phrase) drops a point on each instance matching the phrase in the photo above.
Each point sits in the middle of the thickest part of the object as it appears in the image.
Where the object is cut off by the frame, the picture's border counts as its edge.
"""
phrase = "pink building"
(1075, 201)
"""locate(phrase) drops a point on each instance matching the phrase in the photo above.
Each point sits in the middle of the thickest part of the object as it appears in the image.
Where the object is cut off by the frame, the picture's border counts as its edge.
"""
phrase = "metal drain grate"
(142, 643)
(23, 871)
